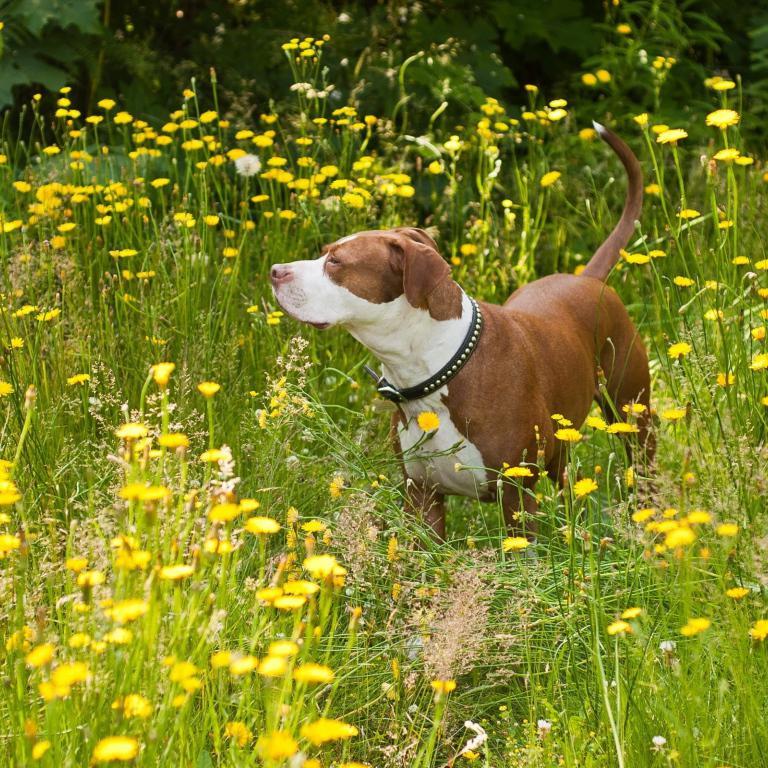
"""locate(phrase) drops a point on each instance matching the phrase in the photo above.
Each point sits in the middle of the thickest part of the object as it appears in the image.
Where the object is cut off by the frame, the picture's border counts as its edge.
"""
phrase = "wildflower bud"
(30, 397)
(30, 729)
(161, 373)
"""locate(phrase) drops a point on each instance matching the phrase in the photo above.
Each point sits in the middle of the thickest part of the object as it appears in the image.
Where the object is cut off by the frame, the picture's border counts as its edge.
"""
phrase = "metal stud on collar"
(444, 375)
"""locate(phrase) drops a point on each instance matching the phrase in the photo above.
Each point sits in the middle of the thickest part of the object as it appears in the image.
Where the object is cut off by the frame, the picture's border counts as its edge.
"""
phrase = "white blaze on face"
(312, 297)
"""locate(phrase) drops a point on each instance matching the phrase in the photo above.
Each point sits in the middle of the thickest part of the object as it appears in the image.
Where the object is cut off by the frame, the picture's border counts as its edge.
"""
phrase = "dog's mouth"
(319, 326)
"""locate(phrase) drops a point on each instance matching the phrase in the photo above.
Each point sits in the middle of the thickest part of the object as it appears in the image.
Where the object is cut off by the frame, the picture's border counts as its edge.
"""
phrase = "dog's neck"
(410, 343)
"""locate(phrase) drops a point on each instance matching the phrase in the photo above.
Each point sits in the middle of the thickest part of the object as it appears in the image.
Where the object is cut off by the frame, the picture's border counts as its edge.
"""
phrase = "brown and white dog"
(543, 352)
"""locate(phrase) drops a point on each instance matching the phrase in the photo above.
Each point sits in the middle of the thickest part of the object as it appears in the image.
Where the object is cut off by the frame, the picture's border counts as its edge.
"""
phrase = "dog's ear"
(416, 234)
(427, 282)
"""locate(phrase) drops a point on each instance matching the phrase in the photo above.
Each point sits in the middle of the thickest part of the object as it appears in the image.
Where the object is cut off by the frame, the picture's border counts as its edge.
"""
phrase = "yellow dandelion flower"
(568, 435)
(89, 579)
(131, 431)
(672, 136)
(727, 530)
(161, 373)
(208, 388)
(428, 421)
(115, 749)
(40, 748)
(325, 730)
(320, 566)
(175, 572)
(515, 544)
(313, 673)
(680, 537)
(698, 517)
(584, 487)
(273, 666)
(213, 455)
(289, 602)
(726, 155)
(737, 593)
(261, 525)
(242, 665)
(723, 118)
(678, 350)
(239, 732)
(548, 179)
(277, 746)
(443, 687)
(40, 655)
(694, 627)
(224, 513)
(173, 440)
(759, 630)
(516, 471)
(134, 705)
(127, 610)
(619, 627)
(622, 428)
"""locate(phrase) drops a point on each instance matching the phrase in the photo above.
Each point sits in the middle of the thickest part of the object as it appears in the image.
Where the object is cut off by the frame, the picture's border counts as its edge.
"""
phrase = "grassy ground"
(209, 565)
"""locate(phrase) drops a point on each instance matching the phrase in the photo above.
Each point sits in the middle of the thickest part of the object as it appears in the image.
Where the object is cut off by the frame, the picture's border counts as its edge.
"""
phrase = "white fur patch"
(436, 458)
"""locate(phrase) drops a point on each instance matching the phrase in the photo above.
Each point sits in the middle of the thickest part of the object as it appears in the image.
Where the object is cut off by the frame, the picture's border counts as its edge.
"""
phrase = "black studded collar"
(444, 375)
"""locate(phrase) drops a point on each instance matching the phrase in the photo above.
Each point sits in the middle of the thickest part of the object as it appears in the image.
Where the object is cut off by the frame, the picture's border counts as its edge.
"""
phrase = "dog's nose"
(281, 273)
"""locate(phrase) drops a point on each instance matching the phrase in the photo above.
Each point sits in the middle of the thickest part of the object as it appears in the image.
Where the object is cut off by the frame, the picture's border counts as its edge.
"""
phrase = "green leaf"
(25, 68)
(83, 15)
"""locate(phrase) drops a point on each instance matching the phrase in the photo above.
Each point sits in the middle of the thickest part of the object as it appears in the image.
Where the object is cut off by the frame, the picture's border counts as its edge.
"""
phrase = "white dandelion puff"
(248, 165)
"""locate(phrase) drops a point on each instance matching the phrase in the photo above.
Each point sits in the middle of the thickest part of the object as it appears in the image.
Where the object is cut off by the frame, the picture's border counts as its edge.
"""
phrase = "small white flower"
(658, 743)
(248, 165)
(343, 18)
(477, 740)
(544, 727)
(667, 646)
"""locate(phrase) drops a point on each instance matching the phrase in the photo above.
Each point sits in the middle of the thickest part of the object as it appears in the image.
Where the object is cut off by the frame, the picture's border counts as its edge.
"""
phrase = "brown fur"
(381, 265)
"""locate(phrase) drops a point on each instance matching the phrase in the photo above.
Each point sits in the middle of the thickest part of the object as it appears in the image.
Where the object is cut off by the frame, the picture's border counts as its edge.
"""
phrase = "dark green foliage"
(146, 53)
(46, 43)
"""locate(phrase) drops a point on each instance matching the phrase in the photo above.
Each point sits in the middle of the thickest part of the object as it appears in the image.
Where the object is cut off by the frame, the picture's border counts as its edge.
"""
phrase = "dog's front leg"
(427, 503)
(420, 499)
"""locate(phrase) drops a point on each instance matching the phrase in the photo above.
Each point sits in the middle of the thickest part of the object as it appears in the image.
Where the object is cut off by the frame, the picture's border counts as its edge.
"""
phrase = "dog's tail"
(608, 253)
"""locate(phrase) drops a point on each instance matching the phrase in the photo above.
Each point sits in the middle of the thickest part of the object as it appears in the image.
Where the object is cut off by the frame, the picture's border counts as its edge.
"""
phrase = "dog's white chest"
(433, 457)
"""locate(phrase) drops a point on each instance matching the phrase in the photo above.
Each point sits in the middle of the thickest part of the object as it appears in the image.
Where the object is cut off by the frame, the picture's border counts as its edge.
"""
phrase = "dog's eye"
(332, 261)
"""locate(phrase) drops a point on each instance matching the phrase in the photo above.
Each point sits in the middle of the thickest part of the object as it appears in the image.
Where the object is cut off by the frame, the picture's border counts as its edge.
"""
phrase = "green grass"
(532, 640)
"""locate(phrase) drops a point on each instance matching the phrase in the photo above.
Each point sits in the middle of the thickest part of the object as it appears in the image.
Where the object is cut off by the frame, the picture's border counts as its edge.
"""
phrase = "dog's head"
(365, 277)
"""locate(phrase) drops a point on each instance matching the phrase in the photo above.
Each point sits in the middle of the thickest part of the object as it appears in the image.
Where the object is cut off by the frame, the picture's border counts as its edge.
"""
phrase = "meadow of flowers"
(204, 559)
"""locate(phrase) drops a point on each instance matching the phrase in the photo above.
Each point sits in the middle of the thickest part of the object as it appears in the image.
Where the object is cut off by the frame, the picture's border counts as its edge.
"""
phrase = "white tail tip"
(599, 127)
